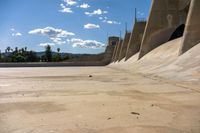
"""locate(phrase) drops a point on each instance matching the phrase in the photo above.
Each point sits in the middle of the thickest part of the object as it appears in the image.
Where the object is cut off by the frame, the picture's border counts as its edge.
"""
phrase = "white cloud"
(111, 22)
(65, 9)
(70, 2)
(54, 34)
(101, 18)
(46, 44)
(106, 20)
(16, 34)
(91, 26)
(96, 12)
(84, 5)
(93, 44)
(141, 14)
(58, 40)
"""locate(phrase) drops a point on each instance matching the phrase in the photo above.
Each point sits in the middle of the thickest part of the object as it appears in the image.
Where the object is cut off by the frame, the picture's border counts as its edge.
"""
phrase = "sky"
(75, 26)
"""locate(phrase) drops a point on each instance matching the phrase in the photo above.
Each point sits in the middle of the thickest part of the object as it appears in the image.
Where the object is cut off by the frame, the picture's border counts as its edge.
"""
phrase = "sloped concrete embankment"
(165, 62)
(161, 54)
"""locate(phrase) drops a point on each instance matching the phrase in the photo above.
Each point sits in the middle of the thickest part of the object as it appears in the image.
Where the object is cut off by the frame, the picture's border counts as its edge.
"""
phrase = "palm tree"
(0, 55)
(58, 50)
(48, 53)
(16, 49)
(57, 57)
(8, 49)
(22, 50)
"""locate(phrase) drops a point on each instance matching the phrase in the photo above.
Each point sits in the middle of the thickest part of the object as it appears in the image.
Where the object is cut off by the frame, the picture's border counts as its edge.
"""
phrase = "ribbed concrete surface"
(164, 18)
(135, 39)
(123, 49)
(119, 46)
(161, 56)
(165, 62)
(114, 53)
(192, 30)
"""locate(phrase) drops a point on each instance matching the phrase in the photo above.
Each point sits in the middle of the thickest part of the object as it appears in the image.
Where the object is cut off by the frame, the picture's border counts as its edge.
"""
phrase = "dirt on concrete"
(66, 100)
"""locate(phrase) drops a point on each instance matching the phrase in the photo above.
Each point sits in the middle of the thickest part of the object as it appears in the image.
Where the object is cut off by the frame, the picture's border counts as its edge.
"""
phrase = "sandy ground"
(67, 100)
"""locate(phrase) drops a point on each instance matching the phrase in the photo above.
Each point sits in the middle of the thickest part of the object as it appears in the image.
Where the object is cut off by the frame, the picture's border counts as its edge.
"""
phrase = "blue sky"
(75, 26)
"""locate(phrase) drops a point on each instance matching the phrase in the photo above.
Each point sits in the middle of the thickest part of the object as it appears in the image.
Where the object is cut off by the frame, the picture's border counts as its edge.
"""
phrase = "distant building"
(113, 40)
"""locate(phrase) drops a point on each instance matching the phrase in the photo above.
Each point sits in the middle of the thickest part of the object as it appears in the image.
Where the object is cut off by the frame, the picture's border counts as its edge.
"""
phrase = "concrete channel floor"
(68, 100)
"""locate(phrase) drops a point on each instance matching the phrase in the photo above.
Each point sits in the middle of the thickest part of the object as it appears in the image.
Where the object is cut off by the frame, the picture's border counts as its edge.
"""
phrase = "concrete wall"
(108, 54)
(112, 42)
(114, 53)
(123, 49)
(192, 31)
(135, 39)
(53, 64)
(119, 46)
(163, 20)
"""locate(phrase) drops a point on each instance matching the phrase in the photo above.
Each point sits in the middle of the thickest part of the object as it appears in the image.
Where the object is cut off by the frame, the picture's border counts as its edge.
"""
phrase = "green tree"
(58, 50)
(8, 49)
(32, 56)
(22, 50)
(0, 56)
(19, 55)
(43, 58)
(25, 48)
(20, 58)
(48, 53)
(16, 50)
(57, 57)
(66, 57)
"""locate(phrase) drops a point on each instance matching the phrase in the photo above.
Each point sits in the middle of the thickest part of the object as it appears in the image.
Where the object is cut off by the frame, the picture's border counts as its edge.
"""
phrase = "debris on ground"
(109, 118)
(135, 113)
